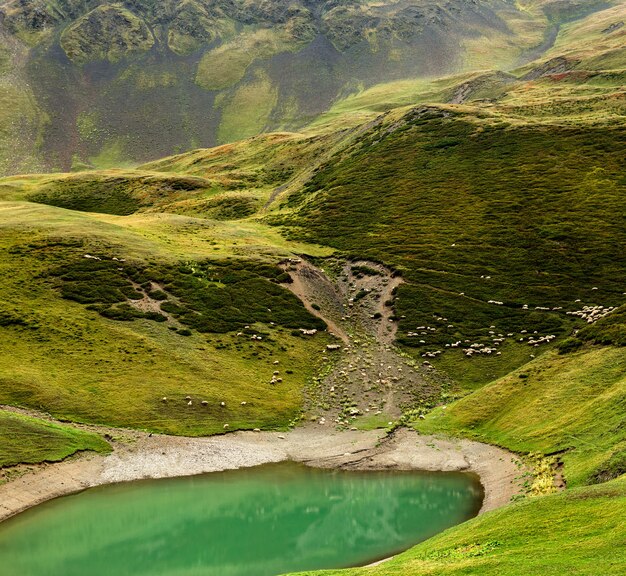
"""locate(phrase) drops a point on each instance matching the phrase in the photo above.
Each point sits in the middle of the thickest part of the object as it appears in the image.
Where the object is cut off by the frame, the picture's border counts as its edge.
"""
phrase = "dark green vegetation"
(498, 230)
(93, 83)
(208, 296)
(578, 532)
(121, 195)
(364, 271)
(112, 192)
(26, 440)
(239, 522)
(98, 355)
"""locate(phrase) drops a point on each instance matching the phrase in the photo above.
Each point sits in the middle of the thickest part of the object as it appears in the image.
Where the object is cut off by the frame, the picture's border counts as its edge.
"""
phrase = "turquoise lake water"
(260, 521)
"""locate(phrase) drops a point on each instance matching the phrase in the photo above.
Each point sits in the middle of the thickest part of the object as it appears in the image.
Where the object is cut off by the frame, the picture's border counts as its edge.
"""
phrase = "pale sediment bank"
(160, 456)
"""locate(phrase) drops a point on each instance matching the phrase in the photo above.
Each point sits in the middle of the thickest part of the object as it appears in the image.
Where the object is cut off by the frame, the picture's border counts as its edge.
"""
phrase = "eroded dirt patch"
(367, 382)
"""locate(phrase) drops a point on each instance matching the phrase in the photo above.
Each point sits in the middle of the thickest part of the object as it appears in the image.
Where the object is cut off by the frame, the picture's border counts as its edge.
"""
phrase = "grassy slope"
(28, 440)
(226, 65)
(474, 210)
(78, 365)
(497, 216)
(579, 532)
(21, 119)
(247, 112)
(593, 39)
(120, 192)
(573, 404)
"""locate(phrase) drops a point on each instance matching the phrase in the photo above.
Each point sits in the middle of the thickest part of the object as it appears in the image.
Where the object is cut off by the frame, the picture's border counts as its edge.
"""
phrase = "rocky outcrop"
(106, 33)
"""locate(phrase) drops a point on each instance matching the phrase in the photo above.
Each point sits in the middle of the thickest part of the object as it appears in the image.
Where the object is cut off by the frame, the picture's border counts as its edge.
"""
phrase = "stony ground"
(366, 381)
(139, 455)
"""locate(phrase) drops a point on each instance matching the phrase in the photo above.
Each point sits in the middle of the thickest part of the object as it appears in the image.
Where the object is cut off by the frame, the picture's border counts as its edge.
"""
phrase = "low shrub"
(210, 296)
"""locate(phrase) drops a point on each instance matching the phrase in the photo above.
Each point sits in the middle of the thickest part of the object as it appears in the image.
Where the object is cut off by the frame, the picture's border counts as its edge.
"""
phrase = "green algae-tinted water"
(259, 521)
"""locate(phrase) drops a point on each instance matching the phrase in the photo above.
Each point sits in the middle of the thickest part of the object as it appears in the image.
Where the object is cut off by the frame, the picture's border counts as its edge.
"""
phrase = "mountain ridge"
(178, 75)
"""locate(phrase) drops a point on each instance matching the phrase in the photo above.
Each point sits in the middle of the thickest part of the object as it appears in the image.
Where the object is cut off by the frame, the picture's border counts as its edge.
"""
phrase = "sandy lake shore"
(160, 456)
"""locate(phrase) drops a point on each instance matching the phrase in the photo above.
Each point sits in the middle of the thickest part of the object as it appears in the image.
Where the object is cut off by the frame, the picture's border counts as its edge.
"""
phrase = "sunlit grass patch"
(29, 440)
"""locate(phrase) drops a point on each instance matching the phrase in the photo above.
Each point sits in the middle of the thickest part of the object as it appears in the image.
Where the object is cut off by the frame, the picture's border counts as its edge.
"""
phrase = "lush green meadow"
(571, 406)
(27, 440)
(80, 352)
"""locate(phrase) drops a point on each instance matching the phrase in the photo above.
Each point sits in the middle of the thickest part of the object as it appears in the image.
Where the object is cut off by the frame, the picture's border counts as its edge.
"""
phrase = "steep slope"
(570, 406)
(22, 119)
(500, 230)
(100, 84)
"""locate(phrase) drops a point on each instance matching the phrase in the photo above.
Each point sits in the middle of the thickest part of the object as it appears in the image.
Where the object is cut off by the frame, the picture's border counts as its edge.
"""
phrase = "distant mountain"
(91, 83)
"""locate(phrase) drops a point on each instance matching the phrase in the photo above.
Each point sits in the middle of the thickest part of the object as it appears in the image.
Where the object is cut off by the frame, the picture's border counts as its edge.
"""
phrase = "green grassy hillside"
(572, 406)
(500, 243)
(26, 440)
(104, 316)
(500, 230)
(228, 182)
(150, 295)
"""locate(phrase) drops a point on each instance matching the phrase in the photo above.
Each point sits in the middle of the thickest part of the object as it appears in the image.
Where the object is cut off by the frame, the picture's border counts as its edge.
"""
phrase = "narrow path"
(311, 285)
(301, 178)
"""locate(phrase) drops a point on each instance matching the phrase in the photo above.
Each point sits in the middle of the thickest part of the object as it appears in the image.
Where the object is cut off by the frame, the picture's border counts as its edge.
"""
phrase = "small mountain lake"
(260, 521)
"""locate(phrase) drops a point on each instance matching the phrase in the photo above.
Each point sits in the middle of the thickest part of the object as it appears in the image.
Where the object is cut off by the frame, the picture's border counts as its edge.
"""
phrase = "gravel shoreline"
(158, 456)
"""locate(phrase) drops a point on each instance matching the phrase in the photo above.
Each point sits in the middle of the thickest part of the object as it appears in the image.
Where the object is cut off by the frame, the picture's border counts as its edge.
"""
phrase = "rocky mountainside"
(94, 83)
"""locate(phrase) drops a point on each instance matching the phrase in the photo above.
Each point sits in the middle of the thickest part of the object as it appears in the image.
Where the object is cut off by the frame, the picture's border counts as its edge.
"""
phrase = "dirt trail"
(386, 285)
(311, 285)
(349, 136)
(368, 381)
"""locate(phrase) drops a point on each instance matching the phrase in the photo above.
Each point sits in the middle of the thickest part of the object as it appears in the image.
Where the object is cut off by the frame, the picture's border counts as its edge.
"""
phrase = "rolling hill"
(484, 207)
